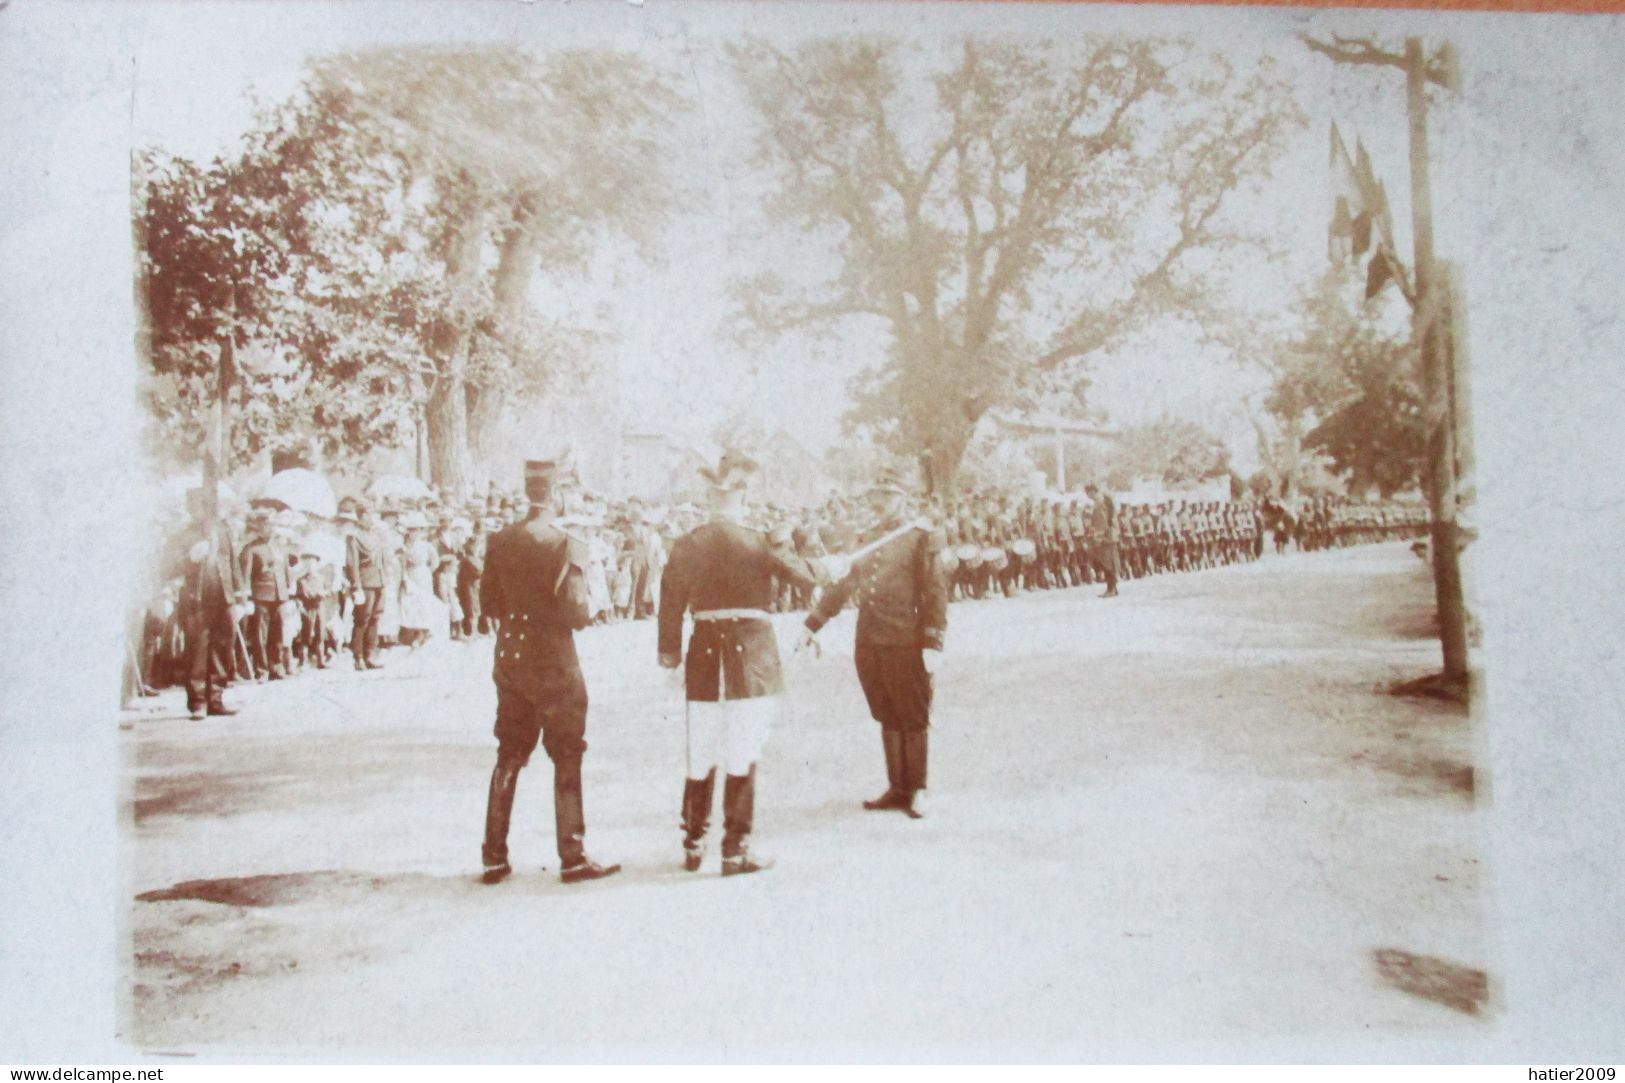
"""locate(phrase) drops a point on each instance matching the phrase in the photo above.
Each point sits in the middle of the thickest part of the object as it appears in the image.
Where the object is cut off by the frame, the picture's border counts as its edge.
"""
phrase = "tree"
(1177, 451)
(1002, 221)
(218, 248)
(507, 160)
(378, 239)
(1345, 386)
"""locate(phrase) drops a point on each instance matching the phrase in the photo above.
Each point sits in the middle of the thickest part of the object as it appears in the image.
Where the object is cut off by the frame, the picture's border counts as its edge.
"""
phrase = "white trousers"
(731, 733)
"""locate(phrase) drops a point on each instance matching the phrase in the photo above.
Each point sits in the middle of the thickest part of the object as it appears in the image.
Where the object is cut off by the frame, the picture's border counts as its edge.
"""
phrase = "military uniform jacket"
(901, 593)
(364, 559)
(1103, 519)
(471, 559)
(265, 570)
(210, 585)
(717, 568)
(536, 587)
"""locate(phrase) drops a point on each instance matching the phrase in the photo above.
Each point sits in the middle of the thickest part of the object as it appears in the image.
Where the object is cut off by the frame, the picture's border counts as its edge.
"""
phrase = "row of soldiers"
(997, 545)
(295, 607)
(725, 575)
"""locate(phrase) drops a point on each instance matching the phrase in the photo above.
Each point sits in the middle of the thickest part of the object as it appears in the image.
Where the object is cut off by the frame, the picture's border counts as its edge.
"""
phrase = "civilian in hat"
(312, 583)
(389, 600)
(1103, 536)
(364, 556)
(264, 565)
(470, 568)
(724, 574)
(448, 541)
(212, 597)
(421, 608)
(901, 592)
(535, 587)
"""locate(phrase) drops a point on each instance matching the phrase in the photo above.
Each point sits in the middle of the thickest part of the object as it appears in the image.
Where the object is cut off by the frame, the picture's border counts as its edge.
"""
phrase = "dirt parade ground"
(1188, 815)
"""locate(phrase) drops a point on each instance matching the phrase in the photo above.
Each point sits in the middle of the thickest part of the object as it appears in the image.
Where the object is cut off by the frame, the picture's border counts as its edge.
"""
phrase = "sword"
(837, 566)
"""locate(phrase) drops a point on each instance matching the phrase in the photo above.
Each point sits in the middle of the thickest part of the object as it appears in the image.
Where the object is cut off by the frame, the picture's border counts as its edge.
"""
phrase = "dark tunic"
(716, 567)
(901, 593)
(902, 597)
(535, 586)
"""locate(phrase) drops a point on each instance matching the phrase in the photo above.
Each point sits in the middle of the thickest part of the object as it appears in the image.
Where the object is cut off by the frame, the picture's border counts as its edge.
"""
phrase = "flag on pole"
(1361, 223)
(1348, 203)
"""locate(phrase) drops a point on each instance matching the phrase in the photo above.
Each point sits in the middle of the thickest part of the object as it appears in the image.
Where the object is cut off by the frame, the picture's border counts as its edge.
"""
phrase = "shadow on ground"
(1455, 986)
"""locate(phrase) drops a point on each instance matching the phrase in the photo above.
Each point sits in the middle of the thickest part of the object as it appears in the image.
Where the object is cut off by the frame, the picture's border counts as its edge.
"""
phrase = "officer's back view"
(535, 588)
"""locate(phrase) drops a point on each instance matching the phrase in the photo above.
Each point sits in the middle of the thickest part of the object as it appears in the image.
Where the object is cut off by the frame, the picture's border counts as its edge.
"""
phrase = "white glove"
(809, 642)
(198, 551)
(676, 677)
(242, 610)
(931, 659)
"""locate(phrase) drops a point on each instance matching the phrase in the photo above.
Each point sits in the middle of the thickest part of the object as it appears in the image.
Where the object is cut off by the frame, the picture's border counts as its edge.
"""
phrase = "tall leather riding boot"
(570, 824)
(498, 811)
(916, 748)
(738, 816)
(894, 797)
(697, 795)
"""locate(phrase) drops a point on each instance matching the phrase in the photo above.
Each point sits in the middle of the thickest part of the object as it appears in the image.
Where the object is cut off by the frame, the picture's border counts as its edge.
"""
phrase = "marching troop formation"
(260, 598)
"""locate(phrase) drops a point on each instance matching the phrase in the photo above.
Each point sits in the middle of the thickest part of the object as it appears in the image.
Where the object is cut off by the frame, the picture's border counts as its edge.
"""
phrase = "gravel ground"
(1185, 823)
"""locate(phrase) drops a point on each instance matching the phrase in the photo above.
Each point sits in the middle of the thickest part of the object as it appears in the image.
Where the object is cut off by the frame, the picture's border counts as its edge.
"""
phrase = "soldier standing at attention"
(902, 598)
(364, 571)
(726, 574)
(265, 571)
(535, 587)
(1103, 529)
(213, 595)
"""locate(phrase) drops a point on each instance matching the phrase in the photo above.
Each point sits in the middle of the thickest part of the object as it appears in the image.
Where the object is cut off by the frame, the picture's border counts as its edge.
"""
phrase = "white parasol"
(301, 490)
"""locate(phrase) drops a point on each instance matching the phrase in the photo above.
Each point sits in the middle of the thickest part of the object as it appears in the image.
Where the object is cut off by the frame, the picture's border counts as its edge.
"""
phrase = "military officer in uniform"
(1103, 530)
(726, 575)
(364, 551)
(535, 588)
(265, 571)
(212, 597)
(902, 597)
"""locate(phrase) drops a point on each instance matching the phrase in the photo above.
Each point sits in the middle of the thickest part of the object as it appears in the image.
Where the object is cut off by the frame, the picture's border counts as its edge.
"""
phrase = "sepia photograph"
(786, 531)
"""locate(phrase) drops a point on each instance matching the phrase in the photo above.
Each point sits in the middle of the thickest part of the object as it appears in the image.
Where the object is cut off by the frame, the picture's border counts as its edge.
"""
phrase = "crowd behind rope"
(395, 574)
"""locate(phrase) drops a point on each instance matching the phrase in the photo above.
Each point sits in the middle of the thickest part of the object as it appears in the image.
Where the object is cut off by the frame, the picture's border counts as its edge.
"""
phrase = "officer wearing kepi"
(727, 575)
(900, 585)
(535, 587)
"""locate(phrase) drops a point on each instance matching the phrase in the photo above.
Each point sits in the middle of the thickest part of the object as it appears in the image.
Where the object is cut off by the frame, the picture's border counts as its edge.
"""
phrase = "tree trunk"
(448, 343)
(946, 448)
(510, 286)
(448, 433)
(485, 411)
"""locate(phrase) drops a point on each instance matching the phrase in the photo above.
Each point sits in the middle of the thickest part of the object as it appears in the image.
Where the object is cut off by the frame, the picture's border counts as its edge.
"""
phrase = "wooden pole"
(1439, 419)
(215, 455)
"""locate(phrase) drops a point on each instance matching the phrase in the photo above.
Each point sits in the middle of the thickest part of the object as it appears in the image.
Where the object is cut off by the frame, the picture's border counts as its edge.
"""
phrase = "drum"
(969, 555)
(994, 557)
(948, 561)
(1024, 548)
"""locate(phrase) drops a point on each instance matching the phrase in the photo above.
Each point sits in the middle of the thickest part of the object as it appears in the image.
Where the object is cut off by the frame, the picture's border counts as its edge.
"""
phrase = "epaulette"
(577, 546)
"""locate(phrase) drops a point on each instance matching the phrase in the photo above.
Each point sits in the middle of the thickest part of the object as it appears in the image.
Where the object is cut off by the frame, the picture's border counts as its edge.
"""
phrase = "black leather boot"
(498, 811)
(916, 747)
(894, 797)
(571, 825)
(697, 795)
(738, 816)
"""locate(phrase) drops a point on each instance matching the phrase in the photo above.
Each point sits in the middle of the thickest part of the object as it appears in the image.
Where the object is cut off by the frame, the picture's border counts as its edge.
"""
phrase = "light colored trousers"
(731, 733)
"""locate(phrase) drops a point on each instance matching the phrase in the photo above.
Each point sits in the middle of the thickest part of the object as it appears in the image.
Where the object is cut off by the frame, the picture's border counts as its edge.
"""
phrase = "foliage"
(1024, 207)
(374, 245)
(1178, 451)
(1348, 382)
